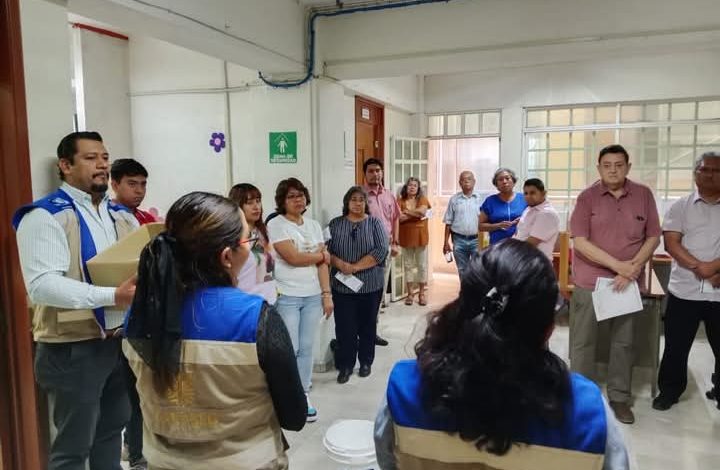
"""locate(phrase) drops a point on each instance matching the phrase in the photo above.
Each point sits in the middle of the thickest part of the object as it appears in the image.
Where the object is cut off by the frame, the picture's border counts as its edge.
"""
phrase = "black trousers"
(682, 319)
(355, 328)
(85, 382)
(134, 427)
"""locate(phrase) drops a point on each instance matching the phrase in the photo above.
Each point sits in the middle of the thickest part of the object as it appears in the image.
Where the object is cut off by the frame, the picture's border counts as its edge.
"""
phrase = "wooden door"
(369, 134)
(19, 440)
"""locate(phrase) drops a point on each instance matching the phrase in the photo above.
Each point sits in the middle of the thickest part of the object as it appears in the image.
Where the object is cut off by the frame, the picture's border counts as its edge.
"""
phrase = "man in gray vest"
(76, 324)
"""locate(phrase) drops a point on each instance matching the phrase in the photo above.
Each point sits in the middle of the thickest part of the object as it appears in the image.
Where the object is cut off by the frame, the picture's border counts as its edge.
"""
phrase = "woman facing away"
(215, 367)
(486, 392)
(256, 275)
(302, 274)
(414, 238)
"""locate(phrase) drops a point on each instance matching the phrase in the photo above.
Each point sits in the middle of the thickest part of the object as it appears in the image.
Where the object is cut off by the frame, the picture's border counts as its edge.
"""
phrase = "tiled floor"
(686, 437)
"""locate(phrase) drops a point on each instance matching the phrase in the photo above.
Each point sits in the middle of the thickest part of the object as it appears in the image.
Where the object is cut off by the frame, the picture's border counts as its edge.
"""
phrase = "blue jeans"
(463, 249)
(301, 316)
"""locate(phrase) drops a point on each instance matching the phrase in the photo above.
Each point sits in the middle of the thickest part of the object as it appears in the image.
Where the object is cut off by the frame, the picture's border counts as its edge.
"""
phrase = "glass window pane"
(577, 159)
(491, 123)
(537, 118)
(582, 116)
(472, 124)
(708, 134)
(398, 149)
(631, 113)
(449, 176)
(559, 140)
(415, 150)
(559, 117)
(453, 124)
(682, 111)
(709, 110)
(651, 158)
(558, 159)
(656, 112)
(682, 134)
(577, 140)
(653, 136)
(557, 180)
(603, 139)
(435, 125)
(577, 180)
(536, 160)
(407, 152)
(683, 157)
(398, 173)
(680, 180)
(605, 115)
(423, 174)
(648, 177)
(423, 150)
(537, 141)
(630, 138)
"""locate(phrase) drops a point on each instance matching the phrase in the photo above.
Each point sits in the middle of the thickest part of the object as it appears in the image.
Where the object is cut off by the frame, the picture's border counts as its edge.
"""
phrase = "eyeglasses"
(295, 196)
(250, 241)
(707, 171)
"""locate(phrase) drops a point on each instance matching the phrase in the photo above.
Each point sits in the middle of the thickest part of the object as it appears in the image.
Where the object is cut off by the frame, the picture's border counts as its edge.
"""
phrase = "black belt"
(465, 237)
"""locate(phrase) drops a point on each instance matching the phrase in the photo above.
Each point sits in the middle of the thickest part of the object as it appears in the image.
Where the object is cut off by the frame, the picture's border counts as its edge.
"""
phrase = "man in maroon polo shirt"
(615, 229)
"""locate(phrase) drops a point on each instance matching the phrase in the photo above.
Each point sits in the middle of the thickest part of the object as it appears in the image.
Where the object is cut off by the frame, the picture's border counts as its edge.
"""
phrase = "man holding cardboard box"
(76, 324)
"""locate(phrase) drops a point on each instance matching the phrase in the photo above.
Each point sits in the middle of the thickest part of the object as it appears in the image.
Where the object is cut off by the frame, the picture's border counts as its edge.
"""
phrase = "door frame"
(361, 102)
(20, 444)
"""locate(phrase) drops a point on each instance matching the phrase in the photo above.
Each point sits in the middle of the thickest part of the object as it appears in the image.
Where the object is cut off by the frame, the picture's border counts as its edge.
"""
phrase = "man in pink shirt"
(382, 205)
(615, 229)
(539, 223)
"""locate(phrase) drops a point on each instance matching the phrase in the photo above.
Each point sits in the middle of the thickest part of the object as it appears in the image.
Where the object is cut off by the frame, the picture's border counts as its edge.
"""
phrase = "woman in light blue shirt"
(500, 213)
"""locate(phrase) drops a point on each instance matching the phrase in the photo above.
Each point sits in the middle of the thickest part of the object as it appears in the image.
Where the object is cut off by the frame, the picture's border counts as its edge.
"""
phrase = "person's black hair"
(242, 193)
(349, 194)
(536, 182)
(372, 161)
(499, 171)
(614, 148)
(484, 362)
(282, 190)
(403, 190)
(67, 148)
(126, 167)
(186, 257)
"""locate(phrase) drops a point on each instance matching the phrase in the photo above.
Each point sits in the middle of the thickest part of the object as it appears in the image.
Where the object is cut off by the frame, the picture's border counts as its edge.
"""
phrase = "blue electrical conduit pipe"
(311, 36)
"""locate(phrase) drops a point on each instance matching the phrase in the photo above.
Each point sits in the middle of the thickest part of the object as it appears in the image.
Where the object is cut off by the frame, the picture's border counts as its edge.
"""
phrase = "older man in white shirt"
(539, 224)
(78, 354)
(692, 237)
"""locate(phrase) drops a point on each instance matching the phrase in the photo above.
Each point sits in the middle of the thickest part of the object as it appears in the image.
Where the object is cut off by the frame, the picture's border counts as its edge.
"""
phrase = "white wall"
(48, 89)
(106, 83)
(680, 75)
(400, 92)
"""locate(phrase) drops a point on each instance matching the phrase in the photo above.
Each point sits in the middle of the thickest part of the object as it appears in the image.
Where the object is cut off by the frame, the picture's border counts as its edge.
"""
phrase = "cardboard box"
(112, 266)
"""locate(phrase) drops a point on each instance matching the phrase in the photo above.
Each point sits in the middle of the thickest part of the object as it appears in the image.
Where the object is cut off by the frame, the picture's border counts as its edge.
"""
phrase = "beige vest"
(57, 325)
(420, 449)
(218, 416)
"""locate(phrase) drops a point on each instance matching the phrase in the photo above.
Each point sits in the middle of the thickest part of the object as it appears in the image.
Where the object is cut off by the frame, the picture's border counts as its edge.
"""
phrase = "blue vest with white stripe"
(57, 202)
(584, 428)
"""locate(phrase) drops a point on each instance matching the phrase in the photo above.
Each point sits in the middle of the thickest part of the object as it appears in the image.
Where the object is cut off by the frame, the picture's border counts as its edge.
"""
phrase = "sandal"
(409, 299)
(421, 299)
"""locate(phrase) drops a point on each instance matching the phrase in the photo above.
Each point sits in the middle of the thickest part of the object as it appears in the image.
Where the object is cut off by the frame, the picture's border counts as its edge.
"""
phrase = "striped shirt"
(45, 257)
(462, 214)
(350, 242)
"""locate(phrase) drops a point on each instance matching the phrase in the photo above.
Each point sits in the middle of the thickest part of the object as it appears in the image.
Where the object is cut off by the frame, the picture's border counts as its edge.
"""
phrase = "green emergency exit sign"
(283, 147)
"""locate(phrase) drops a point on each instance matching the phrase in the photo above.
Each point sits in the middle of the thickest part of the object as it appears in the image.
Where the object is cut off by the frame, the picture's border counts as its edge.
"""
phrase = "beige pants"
(415, 264)
(583, 345)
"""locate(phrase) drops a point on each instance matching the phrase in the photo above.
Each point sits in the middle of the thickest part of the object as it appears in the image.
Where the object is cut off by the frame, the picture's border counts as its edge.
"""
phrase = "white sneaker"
(312, 414)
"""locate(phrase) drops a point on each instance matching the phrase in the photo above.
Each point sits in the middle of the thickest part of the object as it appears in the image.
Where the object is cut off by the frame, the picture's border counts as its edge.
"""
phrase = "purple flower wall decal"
(217, 141)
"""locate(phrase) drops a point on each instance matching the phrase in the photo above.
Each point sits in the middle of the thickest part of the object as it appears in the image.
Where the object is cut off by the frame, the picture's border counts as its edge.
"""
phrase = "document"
(352, 282)
(610, 304)
(707, 288)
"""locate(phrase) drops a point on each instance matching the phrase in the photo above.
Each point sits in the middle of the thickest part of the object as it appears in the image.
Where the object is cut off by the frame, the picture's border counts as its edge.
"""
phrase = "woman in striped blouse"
(358, 249)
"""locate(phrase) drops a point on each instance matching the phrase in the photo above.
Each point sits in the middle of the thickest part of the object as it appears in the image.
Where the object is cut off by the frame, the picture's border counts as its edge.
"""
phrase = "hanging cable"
(311, 36)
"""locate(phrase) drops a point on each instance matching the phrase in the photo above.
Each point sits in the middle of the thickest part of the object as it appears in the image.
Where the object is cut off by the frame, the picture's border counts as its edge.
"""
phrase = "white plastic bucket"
(350, 443)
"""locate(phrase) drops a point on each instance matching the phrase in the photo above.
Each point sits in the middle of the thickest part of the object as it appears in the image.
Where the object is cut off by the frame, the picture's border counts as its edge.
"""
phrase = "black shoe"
(663, 403)
(364, 370)
(380, 341)
(711, 394)
(344, 375)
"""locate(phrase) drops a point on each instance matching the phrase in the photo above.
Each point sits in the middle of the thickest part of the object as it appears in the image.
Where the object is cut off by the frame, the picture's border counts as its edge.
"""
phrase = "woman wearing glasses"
(256, 275)
(215, 368)
(500, 213)
(358, 249)
(301, 273)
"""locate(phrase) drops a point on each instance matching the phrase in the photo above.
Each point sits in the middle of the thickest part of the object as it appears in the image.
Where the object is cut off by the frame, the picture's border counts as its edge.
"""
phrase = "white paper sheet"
(610, 304)
(352, 282)
(707, 288)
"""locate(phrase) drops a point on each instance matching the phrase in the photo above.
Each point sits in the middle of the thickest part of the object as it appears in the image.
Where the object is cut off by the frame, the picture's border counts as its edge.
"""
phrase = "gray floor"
(685, 437)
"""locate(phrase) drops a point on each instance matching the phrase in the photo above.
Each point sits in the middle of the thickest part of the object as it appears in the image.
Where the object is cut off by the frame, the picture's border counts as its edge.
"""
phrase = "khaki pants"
(415, 264)
(583, 345)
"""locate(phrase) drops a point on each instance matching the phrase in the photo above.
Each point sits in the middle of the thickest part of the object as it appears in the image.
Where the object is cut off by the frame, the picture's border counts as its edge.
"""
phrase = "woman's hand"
(327, 305)
(346, 268)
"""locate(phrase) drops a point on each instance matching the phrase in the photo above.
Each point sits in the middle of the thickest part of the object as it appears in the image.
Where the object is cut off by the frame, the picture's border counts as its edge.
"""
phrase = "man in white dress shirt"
(76, 324)
(539, 224)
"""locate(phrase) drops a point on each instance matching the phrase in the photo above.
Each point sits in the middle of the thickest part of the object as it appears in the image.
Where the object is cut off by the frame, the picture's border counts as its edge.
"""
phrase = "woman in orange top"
(414, 238)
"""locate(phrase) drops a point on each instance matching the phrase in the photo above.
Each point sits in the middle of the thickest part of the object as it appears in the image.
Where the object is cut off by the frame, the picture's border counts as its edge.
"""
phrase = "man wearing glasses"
(691, 230)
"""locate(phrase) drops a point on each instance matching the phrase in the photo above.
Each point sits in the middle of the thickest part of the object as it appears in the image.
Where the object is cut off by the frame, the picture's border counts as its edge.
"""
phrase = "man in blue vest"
(77, 324)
